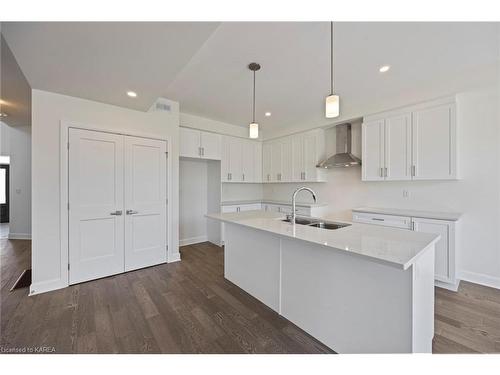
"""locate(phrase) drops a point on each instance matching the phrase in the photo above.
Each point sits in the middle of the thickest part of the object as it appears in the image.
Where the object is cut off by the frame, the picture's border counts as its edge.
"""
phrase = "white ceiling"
(204, 65)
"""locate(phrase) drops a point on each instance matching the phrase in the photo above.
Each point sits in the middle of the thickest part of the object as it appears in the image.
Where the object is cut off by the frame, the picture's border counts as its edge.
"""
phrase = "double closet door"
(117, 204)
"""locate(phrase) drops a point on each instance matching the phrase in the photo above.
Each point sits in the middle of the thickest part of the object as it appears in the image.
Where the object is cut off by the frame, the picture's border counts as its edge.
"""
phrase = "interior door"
(398, 147)
(96, 247)
(145, 202)
(189, 143)
(4, 193)
(373, 150)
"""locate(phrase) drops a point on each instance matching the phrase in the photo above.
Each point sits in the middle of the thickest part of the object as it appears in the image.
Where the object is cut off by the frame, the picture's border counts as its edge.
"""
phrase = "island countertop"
(395, 247)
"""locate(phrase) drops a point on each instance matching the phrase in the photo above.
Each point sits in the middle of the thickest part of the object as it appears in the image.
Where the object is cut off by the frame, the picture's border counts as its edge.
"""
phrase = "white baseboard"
(479, 278)
(192, 240)
(47, 286)
(453, 287)
(174, 257)
(19, 236)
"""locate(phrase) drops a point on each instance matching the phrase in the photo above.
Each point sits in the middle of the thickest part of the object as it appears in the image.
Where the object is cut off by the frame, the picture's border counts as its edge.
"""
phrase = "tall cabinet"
(241, 160)
(413, 143)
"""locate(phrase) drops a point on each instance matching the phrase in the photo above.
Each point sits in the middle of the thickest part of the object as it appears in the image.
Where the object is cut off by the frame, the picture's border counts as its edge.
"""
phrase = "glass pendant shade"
(253, 130)
(332, 106)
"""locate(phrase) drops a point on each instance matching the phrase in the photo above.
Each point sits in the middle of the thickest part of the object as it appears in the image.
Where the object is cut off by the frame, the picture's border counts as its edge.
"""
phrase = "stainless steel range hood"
(343, 157)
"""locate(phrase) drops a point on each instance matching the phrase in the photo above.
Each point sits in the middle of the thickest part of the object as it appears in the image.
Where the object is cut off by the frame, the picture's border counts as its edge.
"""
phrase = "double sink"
(317, 223)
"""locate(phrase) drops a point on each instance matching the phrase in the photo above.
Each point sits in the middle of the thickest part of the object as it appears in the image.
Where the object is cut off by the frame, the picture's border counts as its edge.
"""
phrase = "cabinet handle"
(243, 176)
(381, 173)
(199, 151)
(385, 171)
(131, 212)
(279, 176)
(237, 209)
(413, 171)
(203, 151)
(377, 219)
(413, 225)
(116, 213)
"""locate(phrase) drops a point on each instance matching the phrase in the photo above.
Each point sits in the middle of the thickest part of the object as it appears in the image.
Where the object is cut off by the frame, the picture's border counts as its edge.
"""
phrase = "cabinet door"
(250, 207)
(267, 155)
(286, 159)
(311, 144)
(211, 145)
(434, 143)
(298, 171)
(257, 160)
(373, 150)
(189, 143)
(382, 220)
(276, 150)
(443, 255)
(235, 161)
(398, 147)
(226, 209)
(224, 163)
(247, 160)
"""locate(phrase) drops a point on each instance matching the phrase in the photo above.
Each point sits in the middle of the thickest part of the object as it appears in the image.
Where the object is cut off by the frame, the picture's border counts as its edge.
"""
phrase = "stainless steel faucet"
(294, 214)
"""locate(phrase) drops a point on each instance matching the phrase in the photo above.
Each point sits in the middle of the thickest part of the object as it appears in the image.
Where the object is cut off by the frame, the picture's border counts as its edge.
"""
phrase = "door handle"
(131, 212)
(116, 213)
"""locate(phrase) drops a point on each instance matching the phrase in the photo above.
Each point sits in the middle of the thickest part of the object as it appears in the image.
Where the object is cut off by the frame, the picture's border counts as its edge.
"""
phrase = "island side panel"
(351, 304)
(252, 262)
(423, 302)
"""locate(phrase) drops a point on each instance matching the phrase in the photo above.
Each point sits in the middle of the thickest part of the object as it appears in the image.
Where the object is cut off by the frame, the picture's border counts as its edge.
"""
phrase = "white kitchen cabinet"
(445, 268)
(413, 143)
(434, 143)
(241, 160)
(200, 144)
(237, 208)
(397, 147)
(267, 155)
(445, 257)
(373, 150)
(294, 158)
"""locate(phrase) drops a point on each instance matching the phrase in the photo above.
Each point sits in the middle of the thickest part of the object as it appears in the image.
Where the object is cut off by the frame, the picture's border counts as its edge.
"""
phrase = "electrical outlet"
(406, 193)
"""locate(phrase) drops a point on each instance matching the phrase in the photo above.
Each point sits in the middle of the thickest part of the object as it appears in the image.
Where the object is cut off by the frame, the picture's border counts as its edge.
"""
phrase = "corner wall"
(48, 110)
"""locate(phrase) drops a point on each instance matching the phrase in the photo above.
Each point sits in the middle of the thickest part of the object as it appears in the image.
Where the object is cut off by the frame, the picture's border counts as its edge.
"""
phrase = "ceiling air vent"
(162, 107)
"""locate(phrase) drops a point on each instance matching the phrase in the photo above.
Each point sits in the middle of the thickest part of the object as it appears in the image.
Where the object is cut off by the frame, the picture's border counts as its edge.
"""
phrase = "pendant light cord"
(253, 97)
(331, 58)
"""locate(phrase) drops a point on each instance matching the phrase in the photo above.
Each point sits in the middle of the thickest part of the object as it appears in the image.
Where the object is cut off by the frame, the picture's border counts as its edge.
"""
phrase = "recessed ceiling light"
(132, 94)
(267, 114)
(384, 68)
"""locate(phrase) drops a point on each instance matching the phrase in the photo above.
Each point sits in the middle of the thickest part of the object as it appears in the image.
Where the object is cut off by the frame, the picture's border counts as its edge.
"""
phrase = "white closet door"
(96, 205)
(145, 202)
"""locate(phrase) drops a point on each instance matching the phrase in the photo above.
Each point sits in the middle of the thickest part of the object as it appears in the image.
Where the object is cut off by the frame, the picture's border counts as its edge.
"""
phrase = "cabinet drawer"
(250, 207)
(384, 220)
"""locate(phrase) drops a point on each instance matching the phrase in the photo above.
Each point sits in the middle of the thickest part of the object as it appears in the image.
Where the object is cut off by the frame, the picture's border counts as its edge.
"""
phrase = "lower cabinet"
(444, 268)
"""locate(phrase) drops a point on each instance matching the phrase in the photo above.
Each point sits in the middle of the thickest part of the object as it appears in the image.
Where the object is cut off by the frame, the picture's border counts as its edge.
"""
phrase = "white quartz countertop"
(451, 216)
(396, 247)
(265, 201)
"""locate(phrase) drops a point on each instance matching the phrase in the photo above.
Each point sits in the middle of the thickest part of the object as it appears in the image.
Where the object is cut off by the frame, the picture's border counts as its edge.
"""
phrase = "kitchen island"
(357, 289)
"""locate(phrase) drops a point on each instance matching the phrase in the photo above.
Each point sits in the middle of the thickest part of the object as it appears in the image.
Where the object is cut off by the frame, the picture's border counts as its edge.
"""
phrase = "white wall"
(202, 123)
(476, 194)
(20, 183)
(193, 195)
(16, 143)
(48, 109)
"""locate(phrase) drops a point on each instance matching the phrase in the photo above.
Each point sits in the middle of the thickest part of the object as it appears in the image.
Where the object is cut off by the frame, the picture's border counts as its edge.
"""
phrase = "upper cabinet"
(200, 144)
(415, 143)
(241, 160)
(294, 158)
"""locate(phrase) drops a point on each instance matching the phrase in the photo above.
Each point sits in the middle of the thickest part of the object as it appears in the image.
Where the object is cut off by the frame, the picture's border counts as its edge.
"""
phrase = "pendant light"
(253, 128)
(332, 101)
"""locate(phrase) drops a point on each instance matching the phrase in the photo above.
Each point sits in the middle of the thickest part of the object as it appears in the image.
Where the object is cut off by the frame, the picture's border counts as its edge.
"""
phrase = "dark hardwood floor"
(188, 307)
